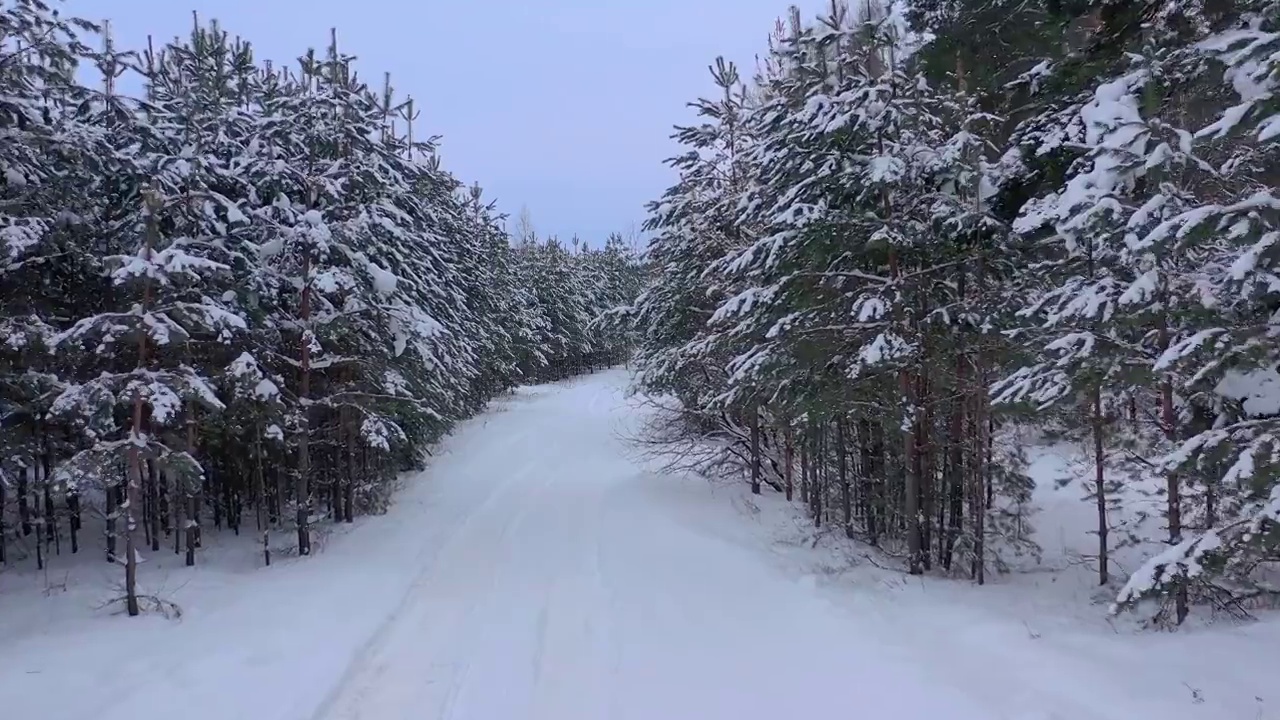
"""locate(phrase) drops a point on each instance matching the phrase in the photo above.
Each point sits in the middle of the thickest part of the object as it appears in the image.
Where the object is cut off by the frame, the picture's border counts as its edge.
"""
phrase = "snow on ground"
(537, 571)
(1037, 642)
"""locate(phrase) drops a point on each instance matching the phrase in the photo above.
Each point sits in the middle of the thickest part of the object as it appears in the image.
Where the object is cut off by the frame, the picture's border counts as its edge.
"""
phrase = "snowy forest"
(909, 239)
(248, 298)
(909, 246)
(940, 361)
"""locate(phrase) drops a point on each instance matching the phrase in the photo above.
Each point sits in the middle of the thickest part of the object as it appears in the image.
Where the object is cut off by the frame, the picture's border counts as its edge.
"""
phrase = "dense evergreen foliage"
(248, 299)
(917, 229)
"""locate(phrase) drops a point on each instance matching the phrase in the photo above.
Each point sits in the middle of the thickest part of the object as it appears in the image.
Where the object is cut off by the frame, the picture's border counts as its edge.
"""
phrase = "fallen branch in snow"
(51, 587)
(147, 603)
(320, 535)
(872, 560)
(1235, 603)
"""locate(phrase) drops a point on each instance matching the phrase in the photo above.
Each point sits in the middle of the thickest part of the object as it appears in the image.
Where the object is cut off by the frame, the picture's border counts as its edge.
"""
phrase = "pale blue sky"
(561, 105)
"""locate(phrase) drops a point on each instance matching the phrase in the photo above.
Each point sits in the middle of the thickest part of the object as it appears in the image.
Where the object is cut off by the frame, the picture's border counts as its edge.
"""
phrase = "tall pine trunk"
(817, 472)
(24, 501)
(755, 451)
(4, 557)
(788, 459)
(1100, 482)
(133, 485)
(872, 457)
(1173, 487)
(846, 492)
(304, 429)
(191, 527)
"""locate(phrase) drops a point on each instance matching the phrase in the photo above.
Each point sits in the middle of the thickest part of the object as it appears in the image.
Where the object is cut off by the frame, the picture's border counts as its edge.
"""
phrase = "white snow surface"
(540, 570)
(1258, 390)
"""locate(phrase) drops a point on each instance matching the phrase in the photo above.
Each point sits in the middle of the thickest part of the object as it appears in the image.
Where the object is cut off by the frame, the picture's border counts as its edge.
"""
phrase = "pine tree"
(245, 292)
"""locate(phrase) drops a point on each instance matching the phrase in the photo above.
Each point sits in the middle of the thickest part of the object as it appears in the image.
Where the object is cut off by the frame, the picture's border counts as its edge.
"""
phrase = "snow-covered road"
(536, 570)
(574, 588)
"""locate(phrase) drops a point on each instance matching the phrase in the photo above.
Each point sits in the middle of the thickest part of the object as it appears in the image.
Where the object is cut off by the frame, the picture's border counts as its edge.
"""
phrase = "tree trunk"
(955, 470)
(154, 515)
(148, 509)
(1210, 503)
(304, 429)
(131, 526)
(192, 525)
(755, 451)
(259, 481)
(133, 484)
(954, 477)
(179, 514)
(911, 484)
(1169, 419)
(37, 522)
(282, 494)
(787, 460)
(983, 423)
(110, 510)
(1100, 486)
(353, 475)
(51, 534)
(164, 508)
(24, 501)
(922, 468)
(846, 492)
(817, 473)
(4, 556)
(260, 492)
(986, 439)
(73, 508)
(805, 483)
(870, 468)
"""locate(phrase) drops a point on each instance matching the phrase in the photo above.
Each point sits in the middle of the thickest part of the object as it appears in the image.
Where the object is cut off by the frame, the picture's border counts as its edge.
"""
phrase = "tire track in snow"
(425, 562)
(481, 602)
(490, 526)
(362, 687)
